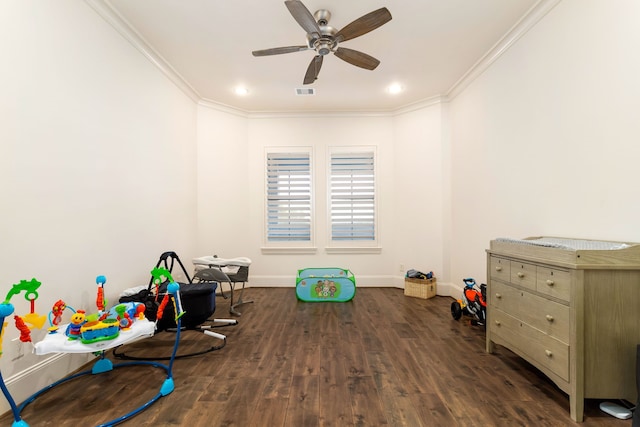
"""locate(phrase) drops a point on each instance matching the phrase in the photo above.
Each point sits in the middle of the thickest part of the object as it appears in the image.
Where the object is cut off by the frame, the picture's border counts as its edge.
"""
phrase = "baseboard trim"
(25, 383)
(443, 288)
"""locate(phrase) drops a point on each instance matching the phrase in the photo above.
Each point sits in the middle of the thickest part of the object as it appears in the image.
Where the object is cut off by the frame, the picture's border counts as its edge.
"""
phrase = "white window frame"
(351, 245)
(294, 245)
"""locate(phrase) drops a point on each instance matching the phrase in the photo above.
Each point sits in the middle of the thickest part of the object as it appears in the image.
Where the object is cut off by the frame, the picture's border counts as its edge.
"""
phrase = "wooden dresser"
(571, 308)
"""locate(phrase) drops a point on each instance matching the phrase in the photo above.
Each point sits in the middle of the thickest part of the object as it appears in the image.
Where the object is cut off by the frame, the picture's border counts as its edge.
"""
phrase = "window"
(288, 196)
(352, 196)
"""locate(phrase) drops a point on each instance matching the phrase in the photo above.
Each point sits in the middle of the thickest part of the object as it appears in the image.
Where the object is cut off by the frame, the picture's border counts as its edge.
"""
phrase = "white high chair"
(231, 271)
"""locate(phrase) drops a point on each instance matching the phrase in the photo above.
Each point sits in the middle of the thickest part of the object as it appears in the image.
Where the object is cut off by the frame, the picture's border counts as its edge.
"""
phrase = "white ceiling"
(427, 47)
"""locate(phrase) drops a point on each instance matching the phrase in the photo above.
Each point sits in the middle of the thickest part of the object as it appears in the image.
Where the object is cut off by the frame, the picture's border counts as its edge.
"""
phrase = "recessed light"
(394, 88)
(241, 91)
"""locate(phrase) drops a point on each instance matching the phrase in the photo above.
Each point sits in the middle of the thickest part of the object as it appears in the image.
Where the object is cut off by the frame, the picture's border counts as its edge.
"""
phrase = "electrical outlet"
(402, 268)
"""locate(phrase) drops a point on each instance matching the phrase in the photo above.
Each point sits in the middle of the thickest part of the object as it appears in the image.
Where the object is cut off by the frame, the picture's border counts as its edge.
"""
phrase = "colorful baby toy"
(86, 330)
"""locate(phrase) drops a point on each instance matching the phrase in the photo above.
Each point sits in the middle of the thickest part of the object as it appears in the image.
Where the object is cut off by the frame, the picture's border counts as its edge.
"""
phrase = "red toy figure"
(25, 333)
(100, 301)
(140, 311)
(57, 310)
(162, 306)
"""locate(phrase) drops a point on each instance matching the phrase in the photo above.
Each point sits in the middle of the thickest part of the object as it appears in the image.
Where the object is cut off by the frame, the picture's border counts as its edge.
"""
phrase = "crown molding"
(126, 30)
(519, 29)
(434, 100)
(208, 103)
(317, 114)
(419, 105)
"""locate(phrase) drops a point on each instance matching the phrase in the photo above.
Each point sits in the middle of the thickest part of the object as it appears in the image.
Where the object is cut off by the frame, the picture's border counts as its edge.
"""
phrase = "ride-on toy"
(473, 303)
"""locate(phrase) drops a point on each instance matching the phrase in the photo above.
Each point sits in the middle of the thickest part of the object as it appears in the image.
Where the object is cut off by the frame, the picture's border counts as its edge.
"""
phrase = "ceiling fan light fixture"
(325, 39)
(324, 46)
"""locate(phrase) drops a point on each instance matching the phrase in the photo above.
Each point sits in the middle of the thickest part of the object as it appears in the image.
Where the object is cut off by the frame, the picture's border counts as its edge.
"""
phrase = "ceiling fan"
(324, 39)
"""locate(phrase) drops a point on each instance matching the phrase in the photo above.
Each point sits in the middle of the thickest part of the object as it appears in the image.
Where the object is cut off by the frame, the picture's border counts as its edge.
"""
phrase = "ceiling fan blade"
(364, 24)
(279, 50)
(313, 70)
(302, 15)
(357, 58)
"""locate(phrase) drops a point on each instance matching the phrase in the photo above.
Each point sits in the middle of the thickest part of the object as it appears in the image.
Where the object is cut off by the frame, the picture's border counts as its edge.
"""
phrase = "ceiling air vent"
(305, 91)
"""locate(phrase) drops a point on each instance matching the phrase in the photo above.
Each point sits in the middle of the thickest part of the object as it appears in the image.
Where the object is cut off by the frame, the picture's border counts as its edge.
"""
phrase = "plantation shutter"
(288, 197)
(352, 196)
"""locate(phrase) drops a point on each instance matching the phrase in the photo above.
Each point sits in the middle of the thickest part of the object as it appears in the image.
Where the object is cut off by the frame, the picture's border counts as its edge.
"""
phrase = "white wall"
(231, 190)
(97, 155)
(223, 184)
(419, 192)
(545, 142)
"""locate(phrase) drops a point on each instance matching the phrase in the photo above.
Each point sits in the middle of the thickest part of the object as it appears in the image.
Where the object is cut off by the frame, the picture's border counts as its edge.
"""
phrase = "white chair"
(231, 271)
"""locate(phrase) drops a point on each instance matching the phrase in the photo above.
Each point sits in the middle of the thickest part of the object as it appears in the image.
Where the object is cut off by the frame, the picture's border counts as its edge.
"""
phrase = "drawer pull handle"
(498, 268)
(550, 283)
(497, 322)
(520, 274)
(548, 353)
(498, 296)
(549, 317)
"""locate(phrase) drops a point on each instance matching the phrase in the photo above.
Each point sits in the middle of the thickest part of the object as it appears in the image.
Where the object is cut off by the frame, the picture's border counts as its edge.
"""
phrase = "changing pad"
(221, 262)
(227, 265)
(568, 244)
(58, 342)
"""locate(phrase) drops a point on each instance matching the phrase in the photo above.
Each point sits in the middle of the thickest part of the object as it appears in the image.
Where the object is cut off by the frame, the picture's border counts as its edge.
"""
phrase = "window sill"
(354, 250)
(288, 251)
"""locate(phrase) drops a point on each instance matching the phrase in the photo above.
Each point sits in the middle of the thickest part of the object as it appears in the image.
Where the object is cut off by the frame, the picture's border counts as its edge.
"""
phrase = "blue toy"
(325, 285)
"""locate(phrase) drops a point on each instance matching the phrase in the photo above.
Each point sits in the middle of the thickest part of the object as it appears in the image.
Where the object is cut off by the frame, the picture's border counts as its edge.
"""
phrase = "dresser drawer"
(549, 317)
(500, 268)
(540, 349)
(553, 282)
(506, 298)
(523, 274)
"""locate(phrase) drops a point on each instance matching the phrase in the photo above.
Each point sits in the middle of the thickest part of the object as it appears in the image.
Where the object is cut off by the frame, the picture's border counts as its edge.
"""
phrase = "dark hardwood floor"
(381, 359)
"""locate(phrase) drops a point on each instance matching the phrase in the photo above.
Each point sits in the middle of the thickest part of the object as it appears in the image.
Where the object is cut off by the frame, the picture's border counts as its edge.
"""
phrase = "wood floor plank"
(392, 392)
(307, 359)
(304, 402)
(431, 410)
(243, 402)
(335, 408)
(366, 402)
(411, 372)
(269, 412)
(278, 380)
(355, 361)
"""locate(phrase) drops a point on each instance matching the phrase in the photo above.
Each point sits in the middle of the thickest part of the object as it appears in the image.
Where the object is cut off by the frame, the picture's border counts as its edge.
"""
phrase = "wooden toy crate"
(420, 288)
